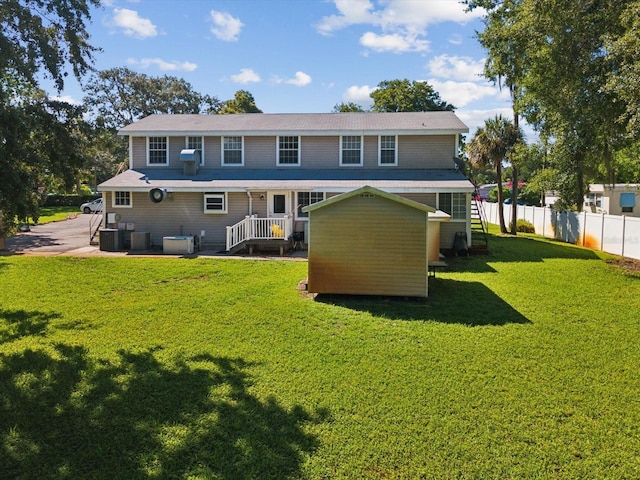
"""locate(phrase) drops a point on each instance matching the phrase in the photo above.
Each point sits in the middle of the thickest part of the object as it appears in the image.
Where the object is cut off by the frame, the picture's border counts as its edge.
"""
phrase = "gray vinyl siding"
(180, 214)
(448, 232)
(433, 151)
(212, 152)
(320, 152)
(259, 152)
(368, 245)
(139, 149)
(424, 198)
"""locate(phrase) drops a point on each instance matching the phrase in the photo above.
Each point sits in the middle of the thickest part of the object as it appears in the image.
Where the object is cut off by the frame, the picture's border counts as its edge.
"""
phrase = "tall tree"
(118, 96)
(349, 107)
(490, 146)
(556, 53)
(242, 102)
(406, 96)
(38, 136)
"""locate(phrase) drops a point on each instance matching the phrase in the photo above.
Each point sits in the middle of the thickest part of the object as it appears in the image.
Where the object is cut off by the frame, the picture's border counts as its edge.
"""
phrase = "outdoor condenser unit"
(180, 245)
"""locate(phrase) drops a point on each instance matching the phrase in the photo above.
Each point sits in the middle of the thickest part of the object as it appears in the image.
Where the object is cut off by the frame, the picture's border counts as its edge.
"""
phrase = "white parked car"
(92, 207)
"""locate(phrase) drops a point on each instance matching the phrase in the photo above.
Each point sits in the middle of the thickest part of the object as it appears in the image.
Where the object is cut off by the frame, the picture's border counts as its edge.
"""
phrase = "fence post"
(624, 228)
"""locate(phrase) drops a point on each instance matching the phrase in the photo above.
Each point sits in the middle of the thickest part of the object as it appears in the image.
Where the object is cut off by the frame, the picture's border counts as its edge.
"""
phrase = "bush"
(68, 200)
(524, 226)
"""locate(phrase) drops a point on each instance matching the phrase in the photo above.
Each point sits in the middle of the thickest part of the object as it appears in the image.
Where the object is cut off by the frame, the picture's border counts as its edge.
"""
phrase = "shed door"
(279, 204)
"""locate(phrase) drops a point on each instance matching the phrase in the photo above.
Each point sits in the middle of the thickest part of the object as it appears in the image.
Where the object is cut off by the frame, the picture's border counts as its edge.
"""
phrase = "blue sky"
(300, 55)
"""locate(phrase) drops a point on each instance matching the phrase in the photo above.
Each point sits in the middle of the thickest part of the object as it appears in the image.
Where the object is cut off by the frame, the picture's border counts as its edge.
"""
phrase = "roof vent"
(190, 159)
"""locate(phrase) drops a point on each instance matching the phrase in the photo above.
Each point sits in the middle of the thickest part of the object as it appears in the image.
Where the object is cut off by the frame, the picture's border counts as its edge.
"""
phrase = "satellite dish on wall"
(156, 195)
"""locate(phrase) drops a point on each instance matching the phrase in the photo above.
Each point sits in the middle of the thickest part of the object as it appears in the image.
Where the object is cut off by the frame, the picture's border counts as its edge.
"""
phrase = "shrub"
(524, 226)
(67, 200)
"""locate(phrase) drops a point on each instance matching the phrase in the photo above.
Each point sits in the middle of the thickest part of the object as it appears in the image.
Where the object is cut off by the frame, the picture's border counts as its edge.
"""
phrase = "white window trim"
(186, 145)
(306, 219)
(222, 163)
(361, 152)
(113, 200)
(166, 160)
(278, 164)
(395, 152)
(467, 205)
(222, 195)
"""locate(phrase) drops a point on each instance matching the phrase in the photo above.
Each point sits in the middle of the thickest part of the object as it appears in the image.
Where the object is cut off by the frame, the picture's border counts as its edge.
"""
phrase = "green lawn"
(55, 214)
(520, 364)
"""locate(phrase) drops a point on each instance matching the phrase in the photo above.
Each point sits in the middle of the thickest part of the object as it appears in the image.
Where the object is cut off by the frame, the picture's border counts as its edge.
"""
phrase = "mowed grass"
(55, 214)
(520, 364)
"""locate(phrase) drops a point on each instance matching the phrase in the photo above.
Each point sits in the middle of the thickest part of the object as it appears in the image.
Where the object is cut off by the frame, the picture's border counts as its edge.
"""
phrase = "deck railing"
(255, 228)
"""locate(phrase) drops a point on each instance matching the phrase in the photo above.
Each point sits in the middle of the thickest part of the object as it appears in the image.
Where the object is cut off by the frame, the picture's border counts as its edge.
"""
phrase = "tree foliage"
(242, 102)
(490, 146)
(407, 96)
(119, 96)
(557, 60)
(348, 107)
(38, 136)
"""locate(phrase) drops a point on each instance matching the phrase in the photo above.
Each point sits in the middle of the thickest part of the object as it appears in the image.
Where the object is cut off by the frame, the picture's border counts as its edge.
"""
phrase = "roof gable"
(373, 191)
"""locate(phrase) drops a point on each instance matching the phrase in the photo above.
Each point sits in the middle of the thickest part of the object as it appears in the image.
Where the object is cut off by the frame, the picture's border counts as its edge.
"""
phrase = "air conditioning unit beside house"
(180, 245)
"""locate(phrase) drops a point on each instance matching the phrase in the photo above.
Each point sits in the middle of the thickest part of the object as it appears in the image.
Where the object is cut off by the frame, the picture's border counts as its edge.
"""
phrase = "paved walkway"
(71, 238)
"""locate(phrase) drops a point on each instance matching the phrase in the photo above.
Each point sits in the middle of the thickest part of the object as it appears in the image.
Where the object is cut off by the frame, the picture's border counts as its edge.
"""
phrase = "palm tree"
(490, 146)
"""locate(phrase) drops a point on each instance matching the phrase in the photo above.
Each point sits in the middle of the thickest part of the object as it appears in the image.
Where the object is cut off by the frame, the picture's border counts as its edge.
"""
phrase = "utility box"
(180, 245)
(140, 240)
(111, 240)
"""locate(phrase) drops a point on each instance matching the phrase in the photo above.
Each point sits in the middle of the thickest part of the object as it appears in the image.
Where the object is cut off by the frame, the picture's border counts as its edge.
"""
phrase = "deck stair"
(479, 231)
(94, 227)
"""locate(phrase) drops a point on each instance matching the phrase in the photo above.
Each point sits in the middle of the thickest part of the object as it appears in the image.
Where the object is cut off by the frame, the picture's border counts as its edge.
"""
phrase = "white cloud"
(457, 68)
(412, 16)
(65, 98)
(395, 43)
(132, 24)
(462, 93)
(301, 79)
(476, 118)
(360, 95)
(402, 23)
(246, 75)
(163, 64)
(455, 39)
(225, 27)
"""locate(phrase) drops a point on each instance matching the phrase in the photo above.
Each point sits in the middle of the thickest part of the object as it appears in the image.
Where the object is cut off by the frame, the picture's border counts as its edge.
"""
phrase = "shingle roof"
(328, 180)
(407, 123)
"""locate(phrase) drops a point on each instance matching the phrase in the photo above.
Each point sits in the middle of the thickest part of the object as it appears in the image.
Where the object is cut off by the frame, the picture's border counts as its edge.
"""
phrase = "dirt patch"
(628, 265)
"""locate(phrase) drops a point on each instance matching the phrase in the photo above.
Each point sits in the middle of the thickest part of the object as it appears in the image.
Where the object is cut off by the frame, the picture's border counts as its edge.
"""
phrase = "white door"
(279, 204)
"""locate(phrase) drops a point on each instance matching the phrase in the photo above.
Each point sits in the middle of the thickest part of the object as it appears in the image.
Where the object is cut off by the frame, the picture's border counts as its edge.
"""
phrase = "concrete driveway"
(70, 237)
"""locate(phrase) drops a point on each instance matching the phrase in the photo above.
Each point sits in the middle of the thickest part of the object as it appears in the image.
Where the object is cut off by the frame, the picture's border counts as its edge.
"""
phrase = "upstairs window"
(157, 151)
(388, 151)
(351, 150)
(196, 143)
(288, 150)
(232, 151)
(455, 204)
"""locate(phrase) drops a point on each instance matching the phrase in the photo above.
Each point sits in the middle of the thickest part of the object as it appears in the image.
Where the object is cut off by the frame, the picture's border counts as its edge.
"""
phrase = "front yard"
(521, 364)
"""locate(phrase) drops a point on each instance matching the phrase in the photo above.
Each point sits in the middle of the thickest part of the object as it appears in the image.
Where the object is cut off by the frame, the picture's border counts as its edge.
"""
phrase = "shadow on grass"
(15, 324)
(64, 414)
(449, 301)
(519, 249)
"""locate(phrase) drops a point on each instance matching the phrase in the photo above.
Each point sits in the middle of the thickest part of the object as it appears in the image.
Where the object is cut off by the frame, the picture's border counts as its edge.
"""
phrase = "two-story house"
(205, 174)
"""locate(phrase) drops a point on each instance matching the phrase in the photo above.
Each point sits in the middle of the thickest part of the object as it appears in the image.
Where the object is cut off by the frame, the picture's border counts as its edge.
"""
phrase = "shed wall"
(368, 245)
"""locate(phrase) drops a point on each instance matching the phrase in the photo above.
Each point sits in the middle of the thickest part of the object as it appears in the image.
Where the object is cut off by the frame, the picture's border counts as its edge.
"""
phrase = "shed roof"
(368, 190)
(407, 123)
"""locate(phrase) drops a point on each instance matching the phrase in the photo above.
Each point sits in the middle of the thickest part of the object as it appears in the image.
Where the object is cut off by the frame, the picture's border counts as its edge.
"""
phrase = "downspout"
(130, 153)
(250, 203)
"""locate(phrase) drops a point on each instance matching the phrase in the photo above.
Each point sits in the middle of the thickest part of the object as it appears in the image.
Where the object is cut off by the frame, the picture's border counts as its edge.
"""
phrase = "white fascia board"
(301, 133)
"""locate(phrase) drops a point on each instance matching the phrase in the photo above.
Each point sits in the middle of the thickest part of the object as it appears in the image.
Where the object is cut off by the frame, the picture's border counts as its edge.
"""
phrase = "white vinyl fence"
(616, 234)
